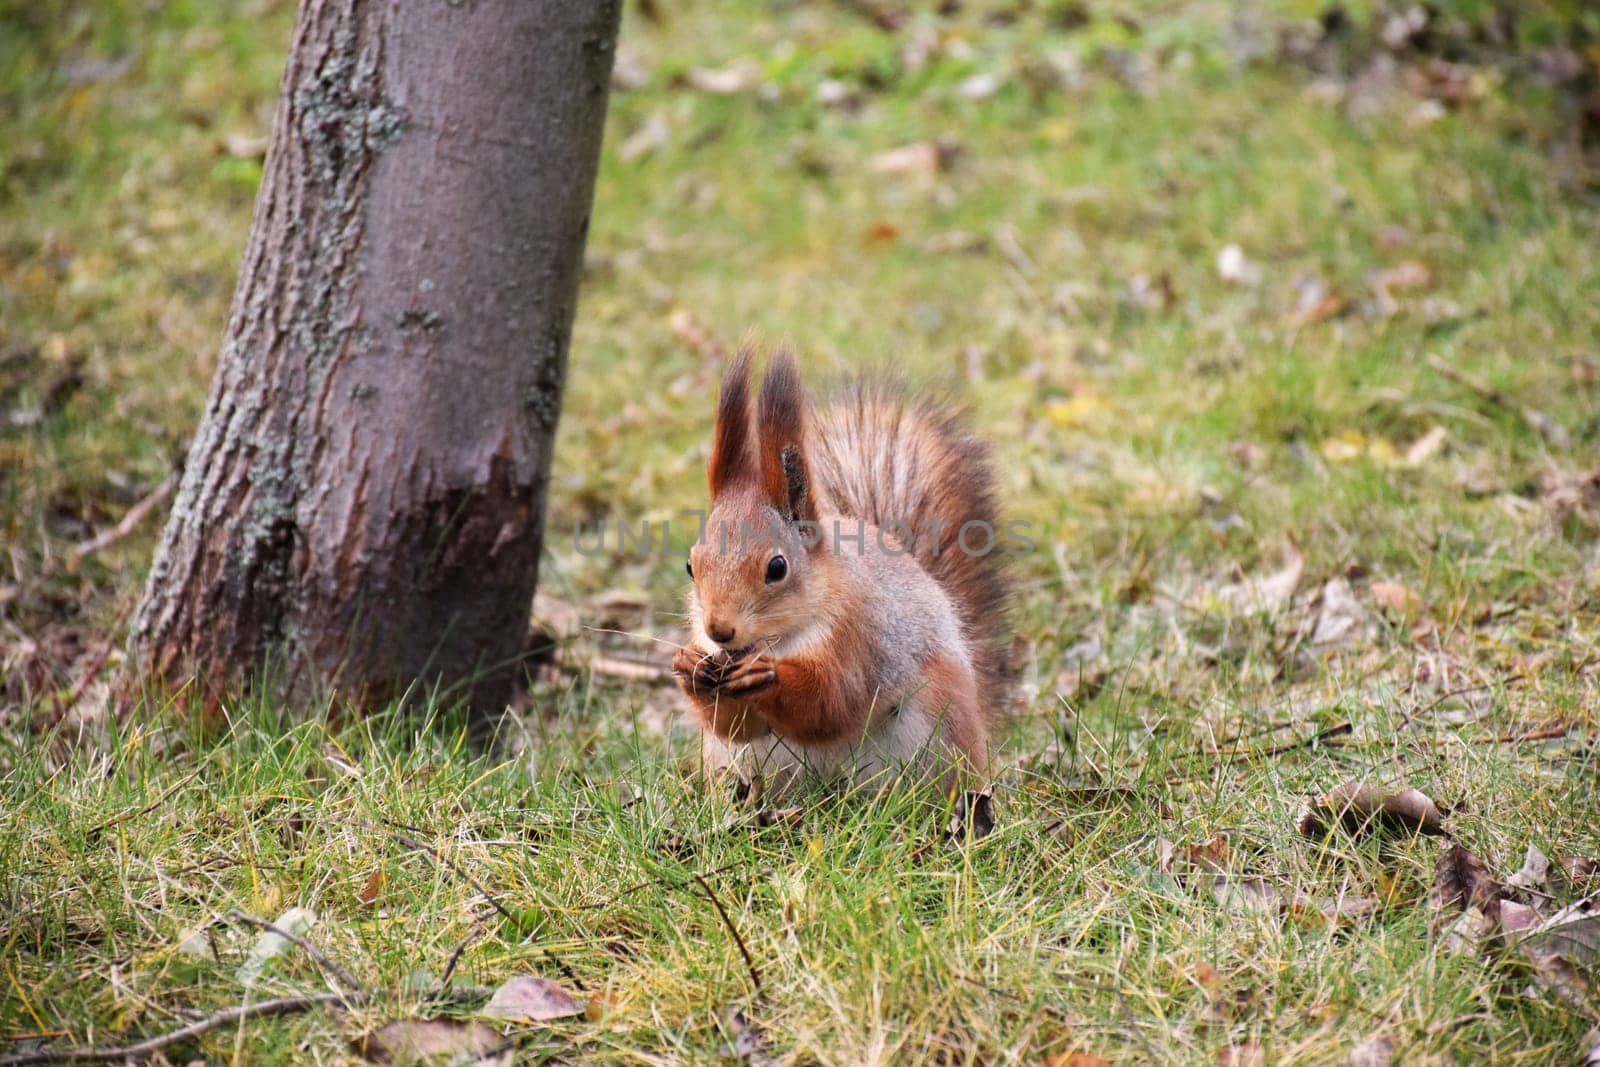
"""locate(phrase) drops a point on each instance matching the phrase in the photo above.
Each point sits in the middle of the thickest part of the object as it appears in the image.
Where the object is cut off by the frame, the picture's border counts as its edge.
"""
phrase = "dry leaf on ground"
(1265, 593)
(1206, 866)
(1395, 597)
(1076, 1059)
(1462, 880)
(296, 921)
(1375, 1051)
(1425, 447)
(1580, 872)
(1360, 808)
(527, 998)
(736, 77)
(1237, 268)
(434, 1041)
(919, 157)
(1573, 932)
(1339, 618)
(748, 1041)
(1246, 1055)
(1315, 301)
(1534, 874)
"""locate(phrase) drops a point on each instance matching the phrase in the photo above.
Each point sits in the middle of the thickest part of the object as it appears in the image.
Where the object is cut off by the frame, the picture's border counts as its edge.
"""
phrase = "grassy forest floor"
(1289, 342)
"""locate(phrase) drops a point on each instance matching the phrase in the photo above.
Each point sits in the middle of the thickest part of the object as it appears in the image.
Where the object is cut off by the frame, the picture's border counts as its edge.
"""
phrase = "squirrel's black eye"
(777, 569)
(688, 566)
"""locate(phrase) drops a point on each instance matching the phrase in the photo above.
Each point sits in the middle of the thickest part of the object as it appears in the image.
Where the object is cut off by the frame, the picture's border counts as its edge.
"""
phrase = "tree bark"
(362, 507)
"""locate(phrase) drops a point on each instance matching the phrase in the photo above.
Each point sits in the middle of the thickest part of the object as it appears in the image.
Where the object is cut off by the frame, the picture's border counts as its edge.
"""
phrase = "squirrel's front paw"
(697, 671)
(748, 676)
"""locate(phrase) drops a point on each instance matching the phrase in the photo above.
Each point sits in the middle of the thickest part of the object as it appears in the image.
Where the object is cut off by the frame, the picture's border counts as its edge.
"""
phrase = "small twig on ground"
(130, 522)
(1411, 716)
(450, 965)
(1539, 422)
(1336, 730)
(237, 1013)
(90, 673)
(629, 670)
(638, 887)
(1548, 731)
(454, 868)
(100, 828)
(749, 961)
(330, 966)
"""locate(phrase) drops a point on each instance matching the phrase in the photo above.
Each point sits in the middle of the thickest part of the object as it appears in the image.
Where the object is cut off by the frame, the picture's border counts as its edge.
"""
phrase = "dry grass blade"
(141, 1049)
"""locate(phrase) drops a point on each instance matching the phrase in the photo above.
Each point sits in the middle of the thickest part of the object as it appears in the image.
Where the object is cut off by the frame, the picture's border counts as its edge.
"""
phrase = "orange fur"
(951, 695)
(730, 440)
(780, 429)
(882, 457)
(785, 640)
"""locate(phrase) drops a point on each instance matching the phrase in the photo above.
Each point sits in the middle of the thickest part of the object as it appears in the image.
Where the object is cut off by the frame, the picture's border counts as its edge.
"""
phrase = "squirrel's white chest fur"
(903, 730)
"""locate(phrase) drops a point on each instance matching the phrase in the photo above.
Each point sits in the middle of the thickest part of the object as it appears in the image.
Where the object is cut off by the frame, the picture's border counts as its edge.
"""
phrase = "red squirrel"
(848, 608)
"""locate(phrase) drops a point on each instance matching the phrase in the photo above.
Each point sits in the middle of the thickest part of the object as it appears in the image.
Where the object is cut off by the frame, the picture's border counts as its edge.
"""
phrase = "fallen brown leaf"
(1394, 596)
(1410, 276)
(1375, 1051)
(1360, 808)
(1267, 593)
(1208, 857)
(1574, 932)
(1534, 875)
(736, 77)
(1517, 920)
(1206, 866)
(1315, 301)
(434, 1040)
(1425, 447)
(881, 233)
(1561, 976)
(1469, 930)
(527, 998)
(1076, 1059)
(922, 157)
(1580, 869)
(1246, 1055)
(1462, 880)
(1340, 619)
(374, 886)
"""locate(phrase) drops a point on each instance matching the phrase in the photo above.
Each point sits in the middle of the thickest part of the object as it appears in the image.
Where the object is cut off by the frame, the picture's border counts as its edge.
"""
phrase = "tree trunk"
(363, 503)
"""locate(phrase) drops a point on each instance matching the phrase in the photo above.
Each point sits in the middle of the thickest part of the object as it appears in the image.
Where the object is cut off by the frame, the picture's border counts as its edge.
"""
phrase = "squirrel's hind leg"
(949, 695)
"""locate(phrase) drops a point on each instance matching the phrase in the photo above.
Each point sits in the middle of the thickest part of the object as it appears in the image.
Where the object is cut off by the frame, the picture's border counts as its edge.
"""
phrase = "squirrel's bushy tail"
(910, 466)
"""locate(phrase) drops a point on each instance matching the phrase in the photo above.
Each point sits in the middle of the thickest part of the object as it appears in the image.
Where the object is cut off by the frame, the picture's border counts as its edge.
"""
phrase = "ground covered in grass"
(1287, 331)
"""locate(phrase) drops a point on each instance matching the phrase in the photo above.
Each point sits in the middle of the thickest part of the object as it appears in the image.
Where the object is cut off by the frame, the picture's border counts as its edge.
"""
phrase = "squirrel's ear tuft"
(780, 426)
(730, 442)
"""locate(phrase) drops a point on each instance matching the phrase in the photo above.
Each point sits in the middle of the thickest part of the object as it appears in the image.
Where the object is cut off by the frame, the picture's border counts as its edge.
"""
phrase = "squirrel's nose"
(722, 635)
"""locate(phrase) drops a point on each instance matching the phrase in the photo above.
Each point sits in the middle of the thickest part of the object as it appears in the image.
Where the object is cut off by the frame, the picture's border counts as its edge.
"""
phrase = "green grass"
(1160, 452)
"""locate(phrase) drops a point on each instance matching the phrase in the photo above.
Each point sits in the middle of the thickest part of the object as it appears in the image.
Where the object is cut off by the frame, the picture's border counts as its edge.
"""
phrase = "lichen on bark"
(364, 498)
